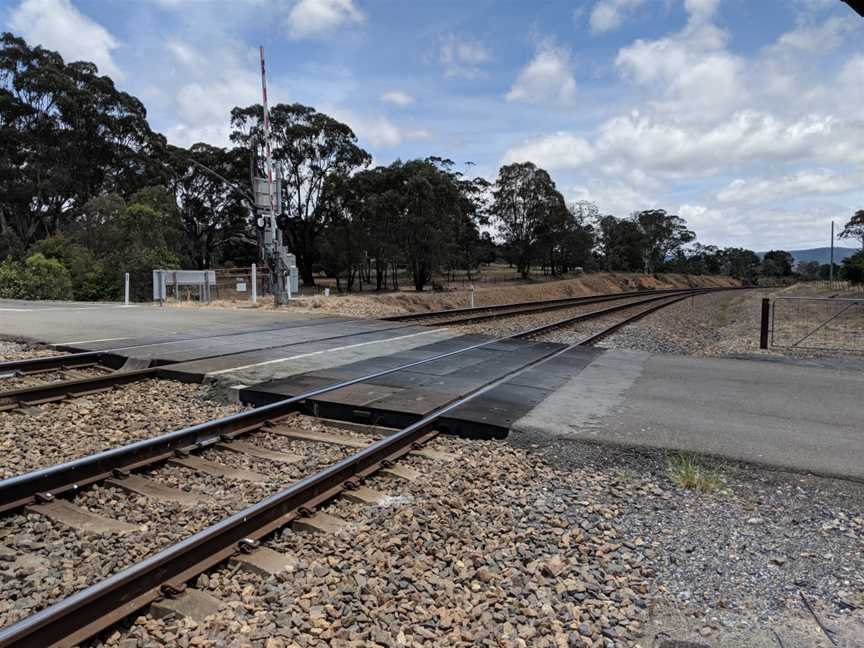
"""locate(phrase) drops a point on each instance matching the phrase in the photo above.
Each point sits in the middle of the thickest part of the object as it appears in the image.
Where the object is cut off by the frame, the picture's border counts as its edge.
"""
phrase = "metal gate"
(826, 323)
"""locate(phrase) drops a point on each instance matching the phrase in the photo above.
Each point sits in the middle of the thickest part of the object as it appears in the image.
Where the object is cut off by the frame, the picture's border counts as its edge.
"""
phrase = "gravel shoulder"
(730, 566)
(720, 325)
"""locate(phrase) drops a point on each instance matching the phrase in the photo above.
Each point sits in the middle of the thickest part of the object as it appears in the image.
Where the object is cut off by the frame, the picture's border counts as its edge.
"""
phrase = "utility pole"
(831, 267)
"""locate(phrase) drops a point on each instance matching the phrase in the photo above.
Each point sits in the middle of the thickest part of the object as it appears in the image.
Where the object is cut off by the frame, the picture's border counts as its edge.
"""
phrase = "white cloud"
(377, 130)
(612, 197)
(548, 77)
(816, 39)
(758, 191)
(851, 80)
(557, 151)
(745, 137)
(397, 97)
(184, 53)
(640, 142)
(609, 15)
(691, 73)
(463, 57)
(58, 25)
(309, 18)
(701, 10)
(203, 95)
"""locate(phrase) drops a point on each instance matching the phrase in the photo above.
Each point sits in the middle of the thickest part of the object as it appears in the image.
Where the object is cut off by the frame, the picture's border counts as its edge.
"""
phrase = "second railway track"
(46, 379)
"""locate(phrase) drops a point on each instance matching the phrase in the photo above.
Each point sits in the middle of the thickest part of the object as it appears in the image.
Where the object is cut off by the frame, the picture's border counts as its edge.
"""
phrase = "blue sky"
(744, 117)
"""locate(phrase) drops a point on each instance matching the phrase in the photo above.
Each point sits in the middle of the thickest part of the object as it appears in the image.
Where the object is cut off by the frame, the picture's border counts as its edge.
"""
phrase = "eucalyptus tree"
(854, 228)
(67, 134)
(308, 148)
(663, 235)
(525, 201)
(215, 216)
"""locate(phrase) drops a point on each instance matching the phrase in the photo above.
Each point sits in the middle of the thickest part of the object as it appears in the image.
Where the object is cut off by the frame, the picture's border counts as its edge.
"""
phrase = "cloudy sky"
(746, 118)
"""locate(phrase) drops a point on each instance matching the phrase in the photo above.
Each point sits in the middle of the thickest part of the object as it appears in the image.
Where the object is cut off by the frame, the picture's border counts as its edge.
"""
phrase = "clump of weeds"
(686, 472)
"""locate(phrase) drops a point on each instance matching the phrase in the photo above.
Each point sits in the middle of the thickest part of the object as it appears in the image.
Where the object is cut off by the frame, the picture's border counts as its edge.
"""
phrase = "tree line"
(89, 191)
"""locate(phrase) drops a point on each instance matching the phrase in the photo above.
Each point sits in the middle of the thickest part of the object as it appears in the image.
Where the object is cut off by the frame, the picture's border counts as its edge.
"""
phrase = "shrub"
(45, 278)
(90, 281)
(853, 268)
(11, 280)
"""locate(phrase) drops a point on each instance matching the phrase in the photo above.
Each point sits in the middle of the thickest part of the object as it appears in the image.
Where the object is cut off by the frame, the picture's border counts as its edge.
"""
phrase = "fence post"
(254, 284)
(126, 288)
(766, 311)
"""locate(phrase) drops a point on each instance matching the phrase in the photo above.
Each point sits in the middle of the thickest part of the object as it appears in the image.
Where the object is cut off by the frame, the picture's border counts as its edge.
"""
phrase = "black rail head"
(545, 328)
(60, 390)
(540, 307)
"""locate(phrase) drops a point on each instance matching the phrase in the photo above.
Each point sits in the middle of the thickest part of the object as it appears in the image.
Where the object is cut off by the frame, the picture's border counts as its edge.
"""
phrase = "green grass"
(686, 472)
(624, 475)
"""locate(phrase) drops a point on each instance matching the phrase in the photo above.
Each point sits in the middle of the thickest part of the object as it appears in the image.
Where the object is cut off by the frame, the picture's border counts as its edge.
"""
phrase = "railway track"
(165, 573)
(474, 314)
(29, 395)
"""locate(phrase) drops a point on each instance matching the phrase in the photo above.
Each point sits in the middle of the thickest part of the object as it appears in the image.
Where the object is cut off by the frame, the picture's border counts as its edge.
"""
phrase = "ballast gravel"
(11, 350)
(44, 561)
(494, 548)
(43, 435)
(508, 325)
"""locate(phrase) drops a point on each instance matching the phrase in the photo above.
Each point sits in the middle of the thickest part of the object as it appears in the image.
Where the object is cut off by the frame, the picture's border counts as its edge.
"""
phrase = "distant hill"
(821, 255)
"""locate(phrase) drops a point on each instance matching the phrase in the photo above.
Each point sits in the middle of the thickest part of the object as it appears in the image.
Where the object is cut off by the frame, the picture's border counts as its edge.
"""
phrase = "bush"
(38, 278)
(11, 280)
(853, 268)
(90, 281)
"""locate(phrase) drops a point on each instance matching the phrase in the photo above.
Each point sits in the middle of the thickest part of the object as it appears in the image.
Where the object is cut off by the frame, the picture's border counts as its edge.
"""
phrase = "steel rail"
(52, 392)
(545, 328)
(596, 337)
(45, 483)
(99, 606)
(80, 359)
(539, 308)
(539, 303)
(57, 391)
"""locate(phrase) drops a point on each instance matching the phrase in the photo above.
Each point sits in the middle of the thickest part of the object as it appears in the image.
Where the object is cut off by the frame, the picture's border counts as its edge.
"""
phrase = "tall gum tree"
(524, 201)
(67, 134)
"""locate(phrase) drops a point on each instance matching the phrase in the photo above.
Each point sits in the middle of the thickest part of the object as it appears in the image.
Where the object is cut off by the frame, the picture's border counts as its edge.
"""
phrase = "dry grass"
(379, 305)
(686, 472)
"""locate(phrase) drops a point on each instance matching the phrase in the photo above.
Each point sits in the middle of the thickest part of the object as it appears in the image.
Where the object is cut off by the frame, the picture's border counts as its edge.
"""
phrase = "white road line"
(64, 308)
(314, 353)
(89, 341)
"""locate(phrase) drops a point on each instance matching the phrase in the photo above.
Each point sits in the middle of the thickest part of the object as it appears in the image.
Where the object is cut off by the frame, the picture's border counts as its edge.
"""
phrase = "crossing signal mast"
(268, 206)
